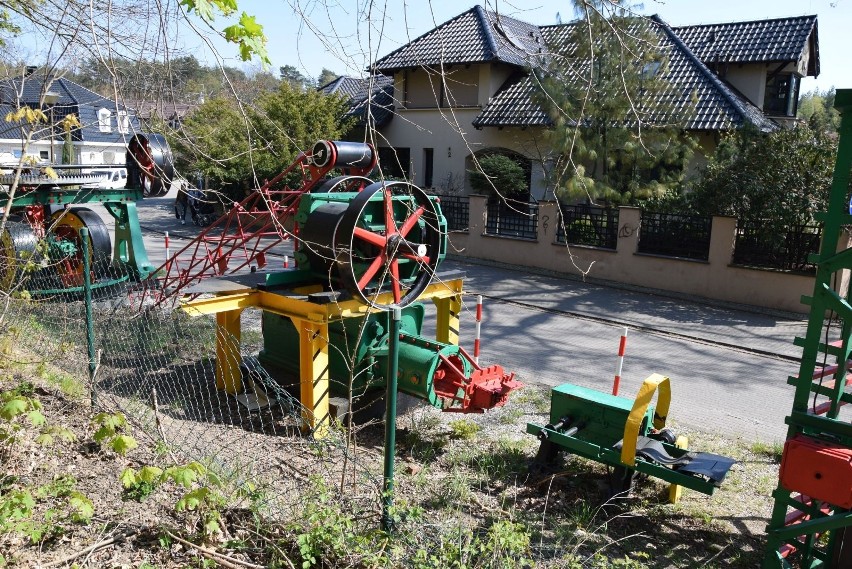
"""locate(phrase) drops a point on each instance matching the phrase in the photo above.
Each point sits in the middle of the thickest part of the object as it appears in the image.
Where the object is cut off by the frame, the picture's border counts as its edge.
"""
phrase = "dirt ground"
(450, 468)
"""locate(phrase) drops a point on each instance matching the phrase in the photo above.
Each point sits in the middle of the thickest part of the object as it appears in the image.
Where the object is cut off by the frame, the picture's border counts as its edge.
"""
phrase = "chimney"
(30, 69)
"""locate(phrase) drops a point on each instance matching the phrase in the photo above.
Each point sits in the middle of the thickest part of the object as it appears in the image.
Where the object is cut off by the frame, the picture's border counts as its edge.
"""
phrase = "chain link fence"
(157, 366)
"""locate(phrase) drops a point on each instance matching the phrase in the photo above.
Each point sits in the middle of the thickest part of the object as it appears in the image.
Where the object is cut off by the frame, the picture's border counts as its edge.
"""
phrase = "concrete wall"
(715, 279)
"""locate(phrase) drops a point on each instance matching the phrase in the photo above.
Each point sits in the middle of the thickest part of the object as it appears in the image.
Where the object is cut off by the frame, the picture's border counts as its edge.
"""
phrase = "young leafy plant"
(110, 432)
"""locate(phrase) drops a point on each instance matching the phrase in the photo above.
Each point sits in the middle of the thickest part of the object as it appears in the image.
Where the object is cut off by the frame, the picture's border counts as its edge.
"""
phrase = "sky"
(345, 35)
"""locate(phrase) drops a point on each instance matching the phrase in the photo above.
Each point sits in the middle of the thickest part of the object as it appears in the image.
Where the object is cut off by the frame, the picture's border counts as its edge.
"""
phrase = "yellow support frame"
(312, 320)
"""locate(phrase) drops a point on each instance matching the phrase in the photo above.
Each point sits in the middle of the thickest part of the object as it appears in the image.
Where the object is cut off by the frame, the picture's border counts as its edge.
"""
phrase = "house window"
(395, 162)
(123, 122)
(428, 166)
(104, 120)
(44, 154)
(782, 95)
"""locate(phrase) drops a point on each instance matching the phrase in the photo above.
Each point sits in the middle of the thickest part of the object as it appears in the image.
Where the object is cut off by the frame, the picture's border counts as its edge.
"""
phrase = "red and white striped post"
(478, 329)
(168, 253)
(286, 262)
(621, 346)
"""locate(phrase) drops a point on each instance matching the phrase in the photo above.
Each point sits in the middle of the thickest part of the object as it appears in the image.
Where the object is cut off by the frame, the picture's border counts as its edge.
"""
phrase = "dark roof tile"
(475, 36)
(707, 101)
(780, 39)
(72, 98)
(370, 98)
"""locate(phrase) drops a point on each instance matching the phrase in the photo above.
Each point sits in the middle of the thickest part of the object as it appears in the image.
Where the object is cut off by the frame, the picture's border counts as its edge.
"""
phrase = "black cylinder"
(317, 238)
(343, 154)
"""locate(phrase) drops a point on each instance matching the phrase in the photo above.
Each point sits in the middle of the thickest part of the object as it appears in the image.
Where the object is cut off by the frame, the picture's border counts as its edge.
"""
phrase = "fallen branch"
(220, 558)
(91, 549)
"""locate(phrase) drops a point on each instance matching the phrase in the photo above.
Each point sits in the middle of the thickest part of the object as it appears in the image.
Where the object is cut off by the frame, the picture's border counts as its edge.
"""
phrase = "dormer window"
(123, 122)
(782, 95)
(104, 120)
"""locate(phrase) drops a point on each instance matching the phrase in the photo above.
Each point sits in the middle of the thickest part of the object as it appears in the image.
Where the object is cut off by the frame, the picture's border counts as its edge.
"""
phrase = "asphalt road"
(728, 365)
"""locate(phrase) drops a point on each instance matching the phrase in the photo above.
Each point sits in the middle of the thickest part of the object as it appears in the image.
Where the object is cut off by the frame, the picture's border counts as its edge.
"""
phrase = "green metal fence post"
(394, 317)
(87, 295)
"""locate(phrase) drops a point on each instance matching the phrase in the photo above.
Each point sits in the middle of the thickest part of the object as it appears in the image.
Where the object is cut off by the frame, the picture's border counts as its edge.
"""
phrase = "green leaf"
(211, 526)
(183, 475)
(44, 439)
(102, 434)
(83, 507)
(192, 500)
(13, 408)
(150, 474)
(250, 26)
(122, 444)
(128, 477)
(36, 418)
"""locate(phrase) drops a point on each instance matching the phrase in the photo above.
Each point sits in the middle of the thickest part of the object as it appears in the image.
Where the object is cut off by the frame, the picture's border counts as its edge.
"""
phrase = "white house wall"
(85, 152)
(450, 134)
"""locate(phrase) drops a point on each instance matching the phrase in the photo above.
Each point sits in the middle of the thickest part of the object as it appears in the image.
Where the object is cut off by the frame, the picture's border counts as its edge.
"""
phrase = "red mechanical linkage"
(486, 388)
(253, 226)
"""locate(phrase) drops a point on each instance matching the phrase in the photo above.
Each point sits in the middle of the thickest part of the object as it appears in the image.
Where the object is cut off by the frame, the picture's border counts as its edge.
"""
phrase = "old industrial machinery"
(812, 516)
(360, 247)
(53, 210)
(628, 435)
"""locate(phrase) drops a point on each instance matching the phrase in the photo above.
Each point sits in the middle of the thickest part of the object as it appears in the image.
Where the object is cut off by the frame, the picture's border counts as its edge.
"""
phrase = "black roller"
(342, 154)
(150, 165)
(67, 225)
(343, 184)
(316, 238)
(17, 247)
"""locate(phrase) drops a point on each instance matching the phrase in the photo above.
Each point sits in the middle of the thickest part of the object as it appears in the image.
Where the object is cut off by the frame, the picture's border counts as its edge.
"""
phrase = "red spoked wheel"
(150, 157)
(388, 240)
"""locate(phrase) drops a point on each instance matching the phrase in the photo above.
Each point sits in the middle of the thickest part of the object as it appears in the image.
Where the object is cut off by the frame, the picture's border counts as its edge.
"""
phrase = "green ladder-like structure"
(812, 511)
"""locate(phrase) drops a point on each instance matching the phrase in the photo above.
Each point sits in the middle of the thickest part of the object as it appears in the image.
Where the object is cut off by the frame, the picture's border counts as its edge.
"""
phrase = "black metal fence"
(671, 235)
(457, 211)
(588, 225)
(510, 218)
(759, 245)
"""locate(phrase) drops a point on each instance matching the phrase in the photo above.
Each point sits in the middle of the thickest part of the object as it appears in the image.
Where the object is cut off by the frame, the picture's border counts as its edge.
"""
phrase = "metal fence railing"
(510, 218)
(588, 225)
(671, 235)
(759, 245)
(457, 211)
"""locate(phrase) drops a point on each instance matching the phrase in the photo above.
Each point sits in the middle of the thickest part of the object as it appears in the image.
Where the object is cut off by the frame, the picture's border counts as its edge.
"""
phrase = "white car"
(113, 179)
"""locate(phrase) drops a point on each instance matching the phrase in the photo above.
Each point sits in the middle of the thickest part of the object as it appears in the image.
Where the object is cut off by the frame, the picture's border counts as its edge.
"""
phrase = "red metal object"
(486, 388)
(240, 239)
(818, 469)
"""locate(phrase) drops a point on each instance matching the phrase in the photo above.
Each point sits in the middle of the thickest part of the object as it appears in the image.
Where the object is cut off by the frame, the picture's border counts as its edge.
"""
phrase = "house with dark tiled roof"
(465, 87)
(369, 99)
(105, 127)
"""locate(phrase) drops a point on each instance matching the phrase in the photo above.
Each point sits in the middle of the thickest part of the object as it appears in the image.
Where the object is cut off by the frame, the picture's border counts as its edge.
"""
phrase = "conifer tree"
(617, 135)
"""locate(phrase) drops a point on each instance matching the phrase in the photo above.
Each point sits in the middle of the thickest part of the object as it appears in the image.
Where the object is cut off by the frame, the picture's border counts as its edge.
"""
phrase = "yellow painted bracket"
(675, 489)
(655, 383)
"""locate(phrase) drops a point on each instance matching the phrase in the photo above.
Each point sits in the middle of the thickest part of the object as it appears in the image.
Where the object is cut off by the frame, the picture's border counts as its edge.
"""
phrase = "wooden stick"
(219, 558)
(99, 545)
(156, 407)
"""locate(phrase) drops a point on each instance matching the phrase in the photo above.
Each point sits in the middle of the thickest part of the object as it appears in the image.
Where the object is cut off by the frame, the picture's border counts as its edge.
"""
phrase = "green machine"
(52, 209)
(628, 435)
(363, 249)
(389, 237)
